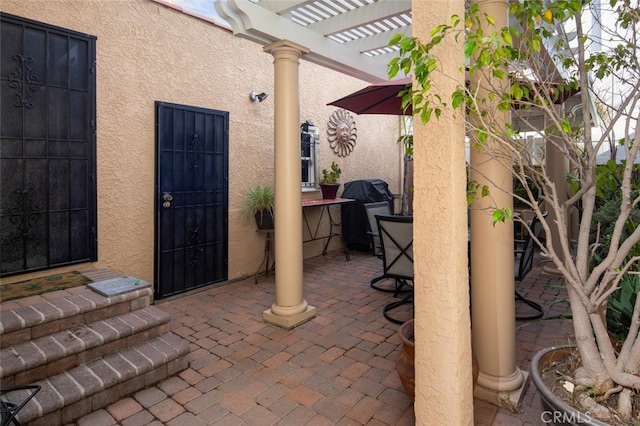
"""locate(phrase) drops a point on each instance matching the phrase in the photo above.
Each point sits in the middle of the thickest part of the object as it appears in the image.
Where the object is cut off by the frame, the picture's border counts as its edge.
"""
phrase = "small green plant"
(259, 199)
(620, 307)
(331, 177)
(621, 302)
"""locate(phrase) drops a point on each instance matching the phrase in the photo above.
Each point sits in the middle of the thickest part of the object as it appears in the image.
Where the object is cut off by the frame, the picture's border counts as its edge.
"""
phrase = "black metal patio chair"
(22, 395)
(396, 242)
(523, 266)
(381, 208)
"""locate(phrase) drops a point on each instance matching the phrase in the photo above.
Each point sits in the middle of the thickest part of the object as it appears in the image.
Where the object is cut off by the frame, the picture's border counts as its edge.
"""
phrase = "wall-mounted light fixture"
(258, 96)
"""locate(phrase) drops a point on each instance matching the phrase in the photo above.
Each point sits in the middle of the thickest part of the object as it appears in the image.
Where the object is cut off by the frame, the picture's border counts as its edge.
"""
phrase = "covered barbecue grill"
(355, 224)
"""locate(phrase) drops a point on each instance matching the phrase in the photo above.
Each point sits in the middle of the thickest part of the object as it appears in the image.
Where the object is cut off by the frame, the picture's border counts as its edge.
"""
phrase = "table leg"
(332, 224)
(266, 260)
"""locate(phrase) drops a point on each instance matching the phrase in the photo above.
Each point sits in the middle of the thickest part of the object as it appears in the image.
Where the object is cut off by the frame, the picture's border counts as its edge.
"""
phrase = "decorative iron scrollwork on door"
(24, 83)
(194, 151)
(194, 247)
(22, 214)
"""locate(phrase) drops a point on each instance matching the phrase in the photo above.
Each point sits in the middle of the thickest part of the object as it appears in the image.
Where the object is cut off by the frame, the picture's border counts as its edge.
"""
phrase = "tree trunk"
(586, 342)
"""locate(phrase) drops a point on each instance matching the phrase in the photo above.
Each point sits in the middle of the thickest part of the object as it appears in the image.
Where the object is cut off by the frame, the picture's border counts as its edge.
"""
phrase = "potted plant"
(406, 360)
(329, 181)
(258, 203)
(508, 69)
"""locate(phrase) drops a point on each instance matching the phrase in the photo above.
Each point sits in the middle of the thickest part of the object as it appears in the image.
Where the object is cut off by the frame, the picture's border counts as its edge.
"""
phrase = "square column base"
(289, 321)
(509, 400)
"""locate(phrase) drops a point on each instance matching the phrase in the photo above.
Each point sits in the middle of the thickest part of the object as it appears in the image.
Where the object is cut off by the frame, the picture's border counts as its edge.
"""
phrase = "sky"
(201, 7)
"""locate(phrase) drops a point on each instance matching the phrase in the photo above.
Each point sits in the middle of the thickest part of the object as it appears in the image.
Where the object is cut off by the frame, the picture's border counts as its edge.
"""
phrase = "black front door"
(191, 198)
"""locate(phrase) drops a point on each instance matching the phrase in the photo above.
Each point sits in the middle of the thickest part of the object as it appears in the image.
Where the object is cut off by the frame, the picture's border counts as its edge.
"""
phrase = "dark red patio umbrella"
(381, 98)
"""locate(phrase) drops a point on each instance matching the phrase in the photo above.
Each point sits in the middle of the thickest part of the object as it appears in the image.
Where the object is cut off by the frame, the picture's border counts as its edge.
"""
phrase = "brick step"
(64, 310)
(49, 355)
(79, 391)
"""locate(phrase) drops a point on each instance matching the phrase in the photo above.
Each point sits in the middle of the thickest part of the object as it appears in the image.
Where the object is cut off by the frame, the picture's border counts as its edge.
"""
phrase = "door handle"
(167, 200)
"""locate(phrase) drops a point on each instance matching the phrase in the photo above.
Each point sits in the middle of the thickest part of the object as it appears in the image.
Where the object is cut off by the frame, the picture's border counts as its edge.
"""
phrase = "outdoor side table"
(325, 205)
(268, 255)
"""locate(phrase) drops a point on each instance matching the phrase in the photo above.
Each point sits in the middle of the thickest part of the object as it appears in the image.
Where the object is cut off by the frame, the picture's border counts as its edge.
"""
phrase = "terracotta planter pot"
(556, 411)
(329, 191)
(405, 364)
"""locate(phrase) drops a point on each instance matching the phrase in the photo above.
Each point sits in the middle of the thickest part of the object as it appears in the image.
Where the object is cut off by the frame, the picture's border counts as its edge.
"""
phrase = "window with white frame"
(310, 143)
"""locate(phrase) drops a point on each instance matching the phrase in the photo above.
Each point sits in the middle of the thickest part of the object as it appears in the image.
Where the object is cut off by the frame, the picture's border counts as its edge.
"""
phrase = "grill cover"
(355, 224)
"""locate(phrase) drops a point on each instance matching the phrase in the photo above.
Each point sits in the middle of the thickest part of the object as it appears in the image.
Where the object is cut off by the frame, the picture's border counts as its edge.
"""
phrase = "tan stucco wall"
(441, 288)
(148, 52)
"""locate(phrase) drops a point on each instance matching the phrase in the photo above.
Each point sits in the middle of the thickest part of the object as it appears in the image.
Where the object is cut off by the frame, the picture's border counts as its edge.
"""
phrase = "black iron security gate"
(47, 146)
(191, 198)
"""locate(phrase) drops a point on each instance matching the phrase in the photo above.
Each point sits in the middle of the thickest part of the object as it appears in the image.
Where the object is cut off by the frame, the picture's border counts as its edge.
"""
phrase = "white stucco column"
(492, 260)
(442, 322)
(289, 308)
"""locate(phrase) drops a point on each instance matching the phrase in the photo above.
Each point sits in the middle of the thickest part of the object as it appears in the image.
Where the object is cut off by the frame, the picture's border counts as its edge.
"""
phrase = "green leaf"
(516, 91)
(437, 29)
(501, 215)
(498, 216)
(536, 45)
(457, 99)
(504, 105)
(506, 36)
(469, 48)
(408, 44)
(405, 64)
(425, 115)
(395, 39)
(393, 69)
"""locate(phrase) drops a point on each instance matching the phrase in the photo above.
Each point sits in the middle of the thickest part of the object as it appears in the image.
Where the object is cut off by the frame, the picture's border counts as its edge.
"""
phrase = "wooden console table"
(325, 205)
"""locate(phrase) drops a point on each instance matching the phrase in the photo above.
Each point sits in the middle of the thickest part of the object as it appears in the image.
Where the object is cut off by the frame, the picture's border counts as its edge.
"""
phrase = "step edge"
(156, 318)
(176, 346)
(14, 319)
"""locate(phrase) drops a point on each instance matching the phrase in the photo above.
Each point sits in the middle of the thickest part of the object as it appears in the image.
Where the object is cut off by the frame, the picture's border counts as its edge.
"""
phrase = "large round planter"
(406, 361)
(556, 411)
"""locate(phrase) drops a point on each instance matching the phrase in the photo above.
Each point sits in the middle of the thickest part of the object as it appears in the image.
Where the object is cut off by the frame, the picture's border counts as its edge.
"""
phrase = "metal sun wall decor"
(342, 132)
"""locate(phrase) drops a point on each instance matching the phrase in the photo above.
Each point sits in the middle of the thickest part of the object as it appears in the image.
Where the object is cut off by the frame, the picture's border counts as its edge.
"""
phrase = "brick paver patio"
(337, 369)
